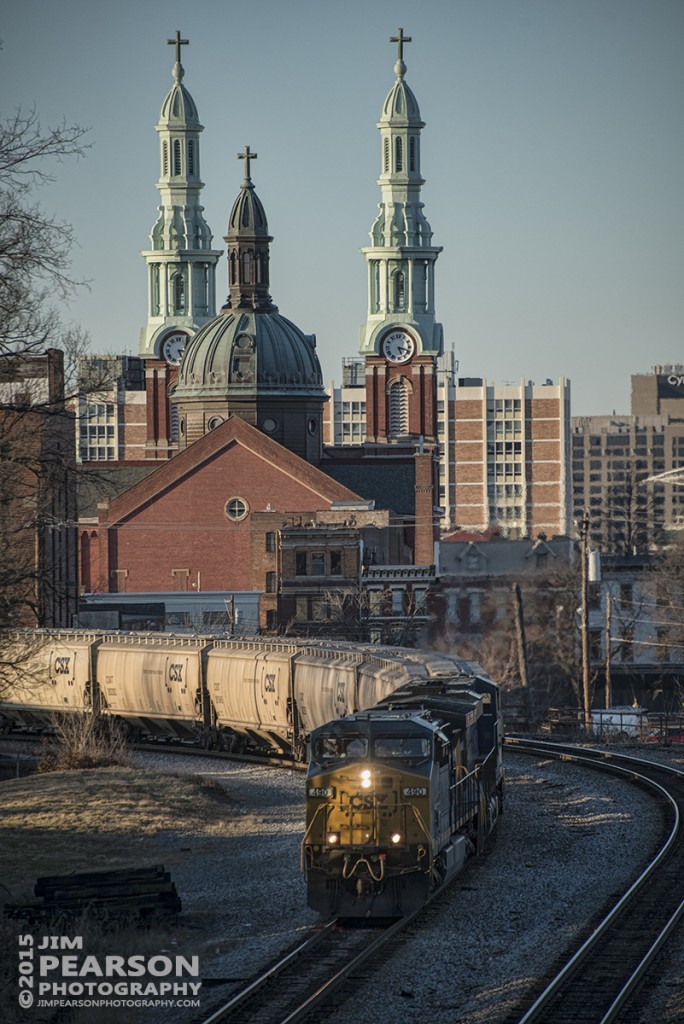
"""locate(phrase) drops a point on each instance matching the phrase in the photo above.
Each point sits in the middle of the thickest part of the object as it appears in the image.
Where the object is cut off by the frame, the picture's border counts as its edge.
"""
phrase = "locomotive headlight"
(366, 779)
(396, 838)
(333, 838)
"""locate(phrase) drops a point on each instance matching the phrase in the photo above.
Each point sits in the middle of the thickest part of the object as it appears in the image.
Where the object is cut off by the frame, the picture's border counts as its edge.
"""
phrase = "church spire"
(181, 262)
(248, 249)
(401, 257)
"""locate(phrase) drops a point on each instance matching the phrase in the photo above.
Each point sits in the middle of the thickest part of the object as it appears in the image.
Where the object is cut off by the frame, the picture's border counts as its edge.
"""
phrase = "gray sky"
(553, 153)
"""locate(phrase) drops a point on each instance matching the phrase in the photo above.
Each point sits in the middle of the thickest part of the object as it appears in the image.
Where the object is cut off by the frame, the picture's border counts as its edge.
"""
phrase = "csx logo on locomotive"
(366, 801)
(62, 666)
(175, 673)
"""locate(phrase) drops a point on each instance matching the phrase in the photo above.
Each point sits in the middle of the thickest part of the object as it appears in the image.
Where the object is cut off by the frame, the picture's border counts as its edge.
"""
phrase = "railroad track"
(597, 982)
(293, 989)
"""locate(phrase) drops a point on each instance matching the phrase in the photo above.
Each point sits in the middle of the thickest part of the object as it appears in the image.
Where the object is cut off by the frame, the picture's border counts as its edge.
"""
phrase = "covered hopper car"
(250, 693)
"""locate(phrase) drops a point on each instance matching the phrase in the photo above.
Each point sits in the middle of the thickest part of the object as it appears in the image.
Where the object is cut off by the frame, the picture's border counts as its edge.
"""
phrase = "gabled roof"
(540, 547)
(229, 433)
(473, 549)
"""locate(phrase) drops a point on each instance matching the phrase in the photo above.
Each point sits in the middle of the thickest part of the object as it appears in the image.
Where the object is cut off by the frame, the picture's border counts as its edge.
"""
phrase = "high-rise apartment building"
(512, 457)
(628, 471)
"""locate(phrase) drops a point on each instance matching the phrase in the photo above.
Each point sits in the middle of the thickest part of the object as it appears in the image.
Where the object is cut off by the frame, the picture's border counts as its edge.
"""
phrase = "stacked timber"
(138, 895)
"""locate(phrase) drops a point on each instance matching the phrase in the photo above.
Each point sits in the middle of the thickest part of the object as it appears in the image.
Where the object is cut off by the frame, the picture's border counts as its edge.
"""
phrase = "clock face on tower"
(172, 347)
(398, 346)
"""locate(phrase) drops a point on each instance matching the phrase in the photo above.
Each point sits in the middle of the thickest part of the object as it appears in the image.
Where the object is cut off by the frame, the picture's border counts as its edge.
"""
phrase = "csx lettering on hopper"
(249, 693)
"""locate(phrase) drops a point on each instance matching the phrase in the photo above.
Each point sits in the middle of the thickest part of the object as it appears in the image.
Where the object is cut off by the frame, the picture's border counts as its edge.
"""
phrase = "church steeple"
(401, 258)
(181, 263)
(248, 249)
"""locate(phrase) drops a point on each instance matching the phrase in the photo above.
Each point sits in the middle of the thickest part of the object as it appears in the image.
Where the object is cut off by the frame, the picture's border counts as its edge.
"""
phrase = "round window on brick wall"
(236, 509)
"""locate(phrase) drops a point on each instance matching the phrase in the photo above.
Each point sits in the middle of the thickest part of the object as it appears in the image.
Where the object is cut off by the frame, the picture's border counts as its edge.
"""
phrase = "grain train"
(401, 795)
(249, 693)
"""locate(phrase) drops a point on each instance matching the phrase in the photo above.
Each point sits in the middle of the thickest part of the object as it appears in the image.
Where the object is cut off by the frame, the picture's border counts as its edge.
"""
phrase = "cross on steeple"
(400, 39)
(178, 42)
(247, 155)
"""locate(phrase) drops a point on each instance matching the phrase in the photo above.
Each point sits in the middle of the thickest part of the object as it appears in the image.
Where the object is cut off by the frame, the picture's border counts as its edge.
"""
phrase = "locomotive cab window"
(413, 747)
(331, 748)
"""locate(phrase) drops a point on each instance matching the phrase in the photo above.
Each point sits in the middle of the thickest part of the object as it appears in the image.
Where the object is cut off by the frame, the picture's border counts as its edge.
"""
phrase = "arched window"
(178, 293)
(412, 153)
(399, 407)
(176, 156)
(191, 157)
(386, 157)
(154, 289)
(246, 268)
(165, 159)
(398, 155)
(399, 291)
(233, 268)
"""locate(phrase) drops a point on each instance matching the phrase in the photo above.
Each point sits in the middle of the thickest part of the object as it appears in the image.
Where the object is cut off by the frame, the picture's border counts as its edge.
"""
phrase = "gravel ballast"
(569, 841)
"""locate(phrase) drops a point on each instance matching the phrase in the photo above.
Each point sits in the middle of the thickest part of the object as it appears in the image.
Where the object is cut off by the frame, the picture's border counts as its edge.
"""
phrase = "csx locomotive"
(401, 795)
(249, 693)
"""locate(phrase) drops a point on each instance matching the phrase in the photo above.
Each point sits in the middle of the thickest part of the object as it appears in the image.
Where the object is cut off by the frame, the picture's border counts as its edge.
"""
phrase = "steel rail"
(244, 994)
(606, 761)
(340, 976)
(309, 1001)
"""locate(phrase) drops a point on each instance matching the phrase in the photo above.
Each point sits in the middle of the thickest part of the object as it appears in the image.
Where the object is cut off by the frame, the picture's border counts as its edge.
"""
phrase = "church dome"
(248, 351)
(248, 216)
(178, 109)
(400, 106)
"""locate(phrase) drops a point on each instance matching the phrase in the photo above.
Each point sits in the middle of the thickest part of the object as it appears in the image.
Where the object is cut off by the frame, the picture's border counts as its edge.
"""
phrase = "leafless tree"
(35, 247)
(37, 484)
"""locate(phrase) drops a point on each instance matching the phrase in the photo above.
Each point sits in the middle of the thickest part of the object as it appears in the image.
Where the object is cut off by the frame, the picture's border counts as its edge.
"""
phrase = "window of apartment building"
(270, 541)
(398, 601)
(271, 582)
(419, 600)
(318, 563)
(473, 561)
(320, 609)
(627, 644)
(375, 602)
(301, 609)
(595, 641)
(300, 563)
(335, 563)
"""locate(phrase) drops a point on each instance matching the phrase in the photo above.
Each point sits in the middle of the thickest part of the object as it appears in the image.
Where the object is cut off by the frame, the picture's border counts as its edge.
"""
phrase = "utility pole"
(584, 624)
(609, 652)
(522, 647)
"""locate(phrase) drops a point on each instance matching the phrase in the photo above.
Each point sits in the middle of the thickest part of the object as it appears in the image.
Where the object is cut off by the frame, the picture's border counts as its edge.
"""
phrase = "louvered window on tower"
(165, 159)
(399, 408)
(399, 291)
(412, 153)
(176, 156)
(386, 162)
(398, 155)
(191, 157)
(179, 292)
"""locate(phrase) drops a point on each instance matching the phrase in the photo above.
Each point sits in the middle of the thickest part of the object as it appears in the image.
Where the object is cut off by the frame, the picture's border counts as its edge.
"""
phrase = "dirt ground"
(99, 819)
